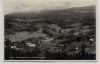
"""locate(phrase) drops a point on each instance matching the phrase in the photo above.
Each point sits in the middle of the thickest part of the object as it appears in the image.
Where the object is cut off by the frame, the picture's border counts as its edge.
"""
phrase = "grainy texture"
(56, 30)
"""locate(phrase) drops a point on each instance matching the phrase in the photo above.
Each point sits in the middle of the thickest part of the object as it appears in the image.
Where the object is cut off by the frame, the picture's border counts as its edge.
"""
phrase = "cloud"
(38, 5)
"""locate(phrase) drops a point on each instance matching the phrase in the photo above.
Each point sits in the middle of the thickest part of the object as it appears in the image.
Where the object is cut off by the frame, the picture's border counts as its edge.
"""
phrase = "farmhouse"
(30, 44)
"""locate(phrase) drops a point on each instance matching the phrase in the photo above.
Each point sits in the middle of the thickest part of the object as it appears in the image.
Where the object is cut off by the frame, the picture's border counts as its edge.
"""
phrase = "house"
(30, 44)
(77, 48)
(13, 47)
(91, 41)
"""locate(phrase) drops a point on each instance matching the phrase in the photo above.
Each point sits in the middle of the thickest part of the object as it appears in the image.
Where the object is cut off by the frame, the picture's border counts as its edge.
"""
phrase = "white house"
(30, 44)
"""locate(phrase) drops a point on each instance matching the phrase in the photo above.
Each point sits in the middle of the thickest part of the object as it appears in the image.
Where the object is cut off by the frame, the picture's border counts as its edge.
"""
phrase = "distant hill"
(85, 15)
(55, 14)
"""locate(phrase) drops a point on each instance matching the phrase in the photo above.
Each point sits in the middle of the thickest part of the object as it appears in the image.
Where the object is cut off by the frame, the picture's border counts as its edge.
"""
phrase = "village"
(49, 39)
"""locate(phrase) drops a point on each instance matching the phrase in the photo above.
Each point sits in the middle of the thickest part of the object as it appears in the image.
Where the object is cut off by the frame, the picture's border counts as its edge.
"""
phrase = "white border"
(68, 61)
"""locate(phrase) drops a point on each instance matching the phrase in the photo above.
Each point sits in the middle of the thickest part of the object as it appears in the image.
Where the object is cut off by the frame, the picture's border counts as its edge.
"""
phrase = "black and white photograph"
(50, 30)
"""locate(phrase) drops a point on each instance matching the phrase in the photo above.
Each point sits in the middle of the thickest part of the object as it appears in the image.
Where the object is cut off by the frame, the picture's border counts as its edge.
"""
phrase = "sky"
(11, 6)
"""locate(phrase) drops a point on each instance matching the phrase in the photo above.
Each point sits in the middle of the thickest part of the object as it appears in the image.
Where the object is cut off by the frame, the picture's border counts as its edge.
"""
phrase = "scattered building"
(30, 44)
(91, 41)
(86, 31)
(85, 27)
(77, 25)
